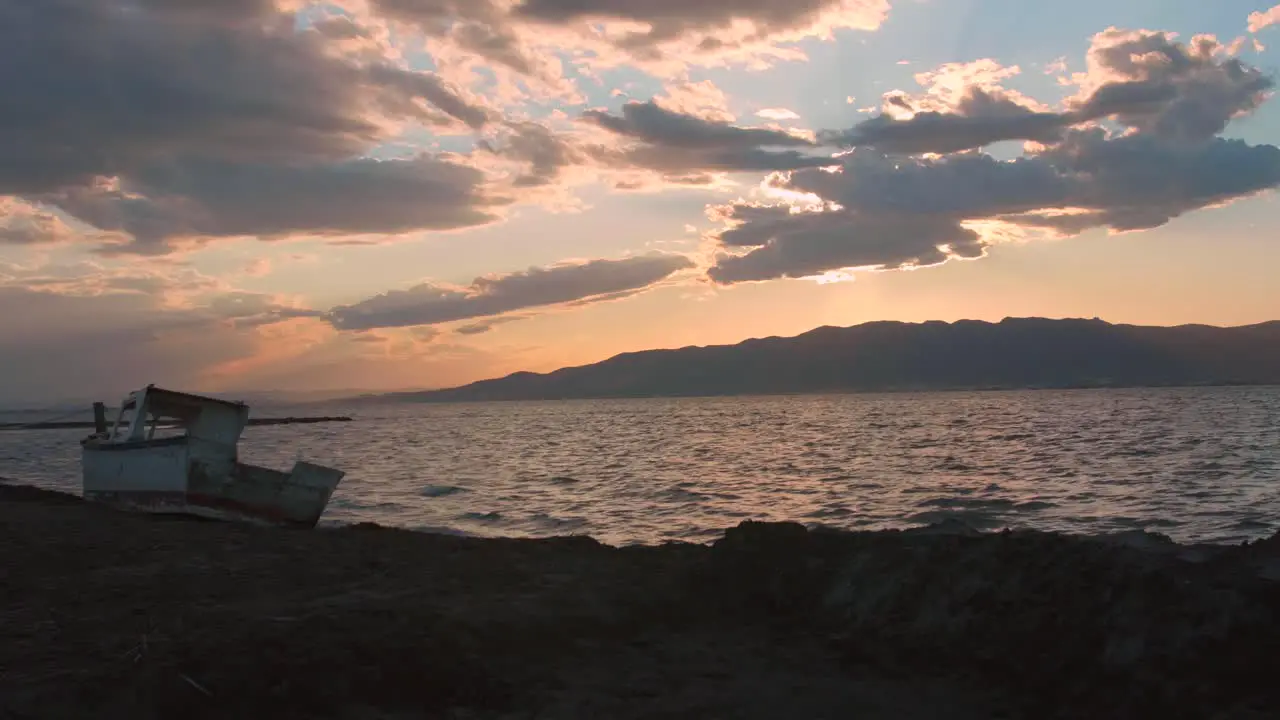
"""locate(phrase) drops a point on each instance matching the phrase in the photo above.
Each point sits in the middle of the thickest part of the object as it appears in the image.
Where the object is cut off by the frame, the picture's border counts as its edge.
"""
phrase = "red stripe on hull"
(257, 512)
(194, 503)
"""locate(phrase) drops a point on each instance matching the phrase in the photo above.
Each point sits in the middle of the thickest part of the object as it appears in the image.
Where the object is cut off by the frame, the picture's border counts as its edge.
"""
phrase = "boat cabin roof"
(178, 405)
(202, 417)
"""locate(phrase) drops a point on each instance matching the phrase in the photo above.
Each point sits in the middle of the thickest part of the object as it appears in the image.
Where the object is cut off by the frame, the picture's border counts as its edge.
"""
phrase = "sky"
(364, 195)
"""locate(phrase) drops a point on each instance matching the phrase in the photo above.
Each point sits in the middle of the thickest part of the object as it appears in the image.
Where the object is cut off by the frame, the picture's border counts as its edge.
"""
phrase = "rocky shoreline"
(108, 614)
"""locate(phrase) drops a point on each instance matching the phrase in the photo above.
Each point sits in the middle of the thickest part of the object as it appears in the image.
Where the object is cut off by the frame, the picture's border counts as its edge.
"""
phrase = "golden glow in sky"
(374, 195)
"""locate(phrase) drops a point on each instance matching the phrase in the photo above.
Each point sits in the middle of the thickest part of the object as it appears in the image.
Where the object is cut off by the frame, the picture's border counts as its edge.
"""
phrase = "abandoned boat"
(173, 452)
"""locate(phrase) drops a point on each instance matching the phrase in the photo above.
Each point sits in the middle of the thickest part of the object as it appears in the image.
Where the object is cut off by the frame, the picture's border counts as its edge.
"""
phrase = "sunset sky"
(237, 195)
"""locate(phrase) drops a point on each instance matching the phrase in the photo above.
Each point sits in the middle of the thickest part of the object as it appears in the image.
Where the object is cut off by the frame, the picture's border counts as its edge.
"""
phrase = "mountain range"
(896, 356)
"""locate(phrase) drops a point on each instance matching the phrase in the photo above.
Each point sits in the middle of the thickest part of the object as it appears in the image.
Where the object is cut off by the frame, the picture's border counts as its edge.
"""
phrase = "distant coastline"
(408, 396)
(895, 357)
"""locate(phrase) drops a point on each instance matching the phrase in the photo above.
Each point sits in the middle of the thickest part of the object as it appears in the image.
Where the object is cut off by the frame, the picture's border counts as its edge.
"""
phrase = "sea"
(1195, 464)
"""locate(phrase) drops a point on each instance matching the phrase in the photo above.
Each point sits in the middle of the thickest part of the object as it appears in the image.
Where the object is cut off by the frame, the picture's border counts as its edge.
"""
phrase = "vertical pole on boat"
(99, 417)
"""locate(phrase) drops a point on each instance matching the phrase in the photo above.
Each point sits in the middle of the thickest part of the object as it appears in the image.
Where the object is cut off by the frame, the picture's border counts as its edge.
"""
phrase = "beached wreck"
(174, 452)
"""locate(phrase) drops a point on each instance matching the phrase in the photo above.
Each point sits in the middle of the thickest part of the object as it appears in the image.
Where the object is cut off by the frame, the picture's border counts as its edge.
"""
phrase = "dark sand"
(107, 614)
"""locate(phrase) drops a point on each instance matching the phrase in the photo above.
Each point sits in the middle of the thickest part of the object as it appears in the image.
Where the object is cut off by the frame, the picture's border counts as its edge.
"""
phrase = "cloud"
(430, 304)
(915, 191)
(256, 268)
(26, 223)
(659, 35)
(175, 124)
(133, 342)
(676, 143)
(250, 309)
(787, 244)
(651, 123)
(981, 118)
(777, 114)
(702, 99)
(136, 324)
(495, 46)
(1187, 92)
(886, 212)
(546, 153)
(164, 323)
(484, 326)
(716, 25)
(646, 145)
(178, 290)
(1264, 19)
(179, 110)
(166, 202)
(1143, 80)
(137, 86)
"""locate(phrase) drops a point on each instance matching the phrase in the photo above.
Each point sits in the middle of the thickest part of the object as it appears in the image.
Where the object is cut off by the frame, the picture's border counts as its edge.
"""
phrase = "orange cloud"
(1264, 19)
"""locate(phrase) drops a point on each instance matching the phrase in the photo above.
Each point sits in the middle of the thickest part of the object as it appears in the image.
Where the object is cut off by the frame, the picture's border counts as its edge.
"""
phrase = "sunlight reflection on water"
(1195, 464)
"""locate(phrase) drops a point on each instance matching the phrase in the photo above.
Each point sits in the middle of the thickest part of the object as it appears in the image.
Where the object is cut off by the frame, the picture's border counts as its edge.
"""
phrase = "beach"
(110, 614)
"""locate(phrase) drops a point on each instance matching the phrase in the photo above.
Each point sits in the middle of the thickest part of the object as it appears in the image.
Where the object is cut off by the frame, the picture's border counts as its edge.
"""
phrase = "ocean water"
(1197, 464)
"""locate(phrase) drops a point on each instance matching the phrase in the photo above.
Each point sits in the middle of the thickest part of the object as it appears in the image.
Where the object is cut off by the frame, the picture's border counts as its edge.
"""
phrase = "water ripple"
(1198, 464)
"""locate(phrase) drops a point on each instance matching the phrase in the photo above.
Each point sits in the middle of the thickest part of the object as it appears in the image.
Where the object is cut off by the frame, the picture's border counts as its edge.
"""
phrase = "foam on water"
(1197, 464)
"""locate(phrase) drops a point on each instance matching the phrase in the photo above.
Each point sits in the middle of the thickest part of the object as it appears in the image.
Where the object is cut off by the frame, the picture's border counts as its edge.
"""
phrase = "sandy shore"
(106, 614)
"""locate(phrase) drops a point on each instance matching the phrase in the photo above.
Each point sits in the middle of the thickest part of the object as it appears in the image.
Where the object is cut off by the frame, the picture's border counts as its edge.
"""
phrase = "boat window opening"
(163, 426)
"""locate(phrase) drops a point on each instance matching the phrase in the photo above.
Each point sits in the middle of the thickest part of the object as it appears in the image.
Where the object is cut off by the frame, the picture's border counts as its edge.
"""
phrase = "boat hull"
(296, 498)
(163, 478)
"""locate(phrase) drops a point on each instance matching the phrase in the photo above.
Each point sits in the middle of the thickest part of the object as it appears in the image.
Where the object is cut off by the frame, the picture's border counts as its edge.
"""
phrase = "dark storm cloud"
(158, 92)
(494, 295)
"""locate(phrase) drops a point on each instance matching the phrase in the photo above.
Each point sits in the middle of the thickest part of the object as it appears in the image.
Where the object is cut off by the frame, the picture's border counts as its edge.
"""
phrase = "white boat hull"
(162, 477)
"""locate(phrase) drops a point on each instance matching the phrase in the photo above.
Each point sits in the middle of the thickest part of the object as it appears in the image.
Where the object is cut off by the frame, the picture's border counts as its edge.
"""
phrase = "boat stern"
(258, 494)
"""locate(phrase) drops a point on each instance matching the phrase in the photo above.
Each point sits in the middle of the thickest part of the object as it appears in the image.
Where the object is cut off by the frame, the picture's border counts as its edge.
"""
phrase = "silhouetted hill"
(895, 356)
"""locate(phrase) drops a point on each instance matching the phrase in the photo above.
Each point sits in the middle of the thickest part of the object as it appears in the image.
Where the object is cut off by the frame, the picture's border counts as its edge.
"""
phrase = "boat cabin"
(154, 414)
